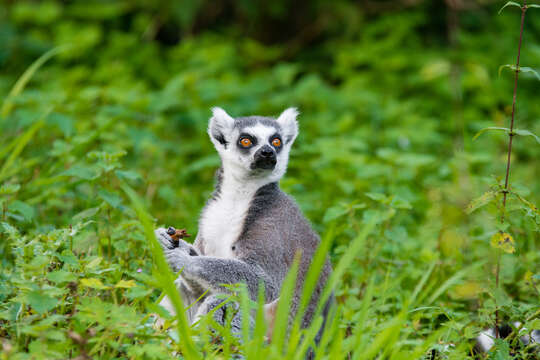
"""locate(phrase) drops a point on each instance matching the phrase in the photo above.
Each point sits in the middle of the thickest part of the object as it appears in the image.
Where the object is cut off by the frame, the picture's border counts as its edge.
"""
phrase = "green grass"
(105, 140)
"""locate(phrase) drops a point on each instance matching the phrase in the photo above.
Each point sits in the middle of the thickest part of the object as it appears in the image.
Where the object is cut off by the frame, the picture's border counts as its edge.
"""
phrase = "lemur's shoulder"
(277, 211)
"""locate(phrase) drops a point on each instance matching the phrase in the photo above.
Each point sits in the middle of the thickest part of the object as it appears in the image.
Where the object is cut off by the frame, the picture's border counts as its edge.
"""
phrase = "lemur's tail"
(486, 339)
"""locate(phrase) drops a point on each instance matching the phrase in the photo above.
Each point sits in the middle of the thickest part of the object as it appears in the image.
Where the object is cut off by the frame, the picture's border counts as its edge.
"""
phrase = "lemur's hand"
(177, 254)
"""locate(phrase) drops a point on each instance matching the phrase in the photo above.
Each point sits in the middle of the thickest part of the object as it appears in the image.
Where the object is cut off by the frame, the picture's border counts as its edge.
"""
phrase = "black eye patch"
(271, 141)
(243, 136)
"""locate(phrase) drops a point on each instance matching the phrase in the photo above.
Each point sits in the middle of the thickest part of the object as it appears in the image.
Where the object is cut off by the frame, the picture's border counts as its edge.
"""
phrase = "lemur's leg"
(222, 313)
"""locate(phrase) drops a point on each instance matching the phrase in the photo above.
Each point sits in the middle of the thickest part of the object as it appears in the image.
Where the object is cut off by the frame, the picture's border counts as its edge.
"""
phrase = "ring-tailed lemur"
(249, 230)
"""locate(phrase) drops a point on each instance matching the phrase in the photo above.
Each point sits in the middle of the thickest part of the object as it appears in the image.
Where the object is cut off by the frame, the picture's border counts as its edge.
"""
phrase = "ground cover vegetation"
(103, 138)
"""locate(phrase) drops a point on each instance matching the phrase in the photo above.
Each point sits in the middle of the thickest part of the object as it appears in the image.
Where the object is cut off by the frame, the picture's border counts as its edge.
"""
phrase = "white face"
(254, 147)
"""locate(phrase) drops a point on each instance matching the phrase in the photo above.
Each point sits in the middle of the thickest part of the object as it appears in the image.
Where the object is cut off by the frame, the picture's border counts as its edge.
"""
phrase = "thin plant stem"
(511, 136)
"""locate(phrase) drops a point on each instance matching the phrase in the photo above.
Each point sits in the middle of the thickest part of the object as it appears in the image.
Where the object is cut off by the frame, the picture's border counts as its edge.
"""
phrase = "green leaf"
(61, 276)
(94, 284)
(40, 302)
(81, 171)
(503, 241)
(8, 189)
(527, 203)
(64, 123)
(377, 197)
(523, 69)
(534, 6)
(510, 3)
(111, 198)
(334, 212)
(127, 175)
(489, 128)
(125, 284)
(527, 133)
(85, 214)
(480, 201)
(22, 208)
(500, 350)
(10, 230)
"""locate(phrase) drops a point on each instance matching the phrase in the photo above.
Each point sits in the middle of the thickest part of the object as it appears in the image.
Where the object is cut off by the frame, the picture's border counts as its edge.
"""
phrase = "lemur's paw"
(165, 240)
(176, 258)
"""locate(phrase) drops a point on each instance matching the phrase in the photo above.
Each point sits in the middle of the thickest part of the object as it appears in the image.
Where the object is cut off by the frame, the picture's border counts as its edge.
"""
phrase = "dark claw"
(171, 231)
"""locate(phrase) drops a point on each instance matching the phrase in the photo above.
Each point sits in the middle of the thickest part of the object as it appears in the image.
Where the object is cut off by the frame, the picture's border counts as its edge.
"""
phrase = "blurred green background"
(391, 94)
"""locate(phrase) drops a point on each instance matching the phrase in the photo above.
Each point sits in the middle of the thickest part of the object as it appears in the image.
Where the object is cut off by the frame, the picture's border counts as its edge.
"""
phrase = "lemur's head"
(254, 147)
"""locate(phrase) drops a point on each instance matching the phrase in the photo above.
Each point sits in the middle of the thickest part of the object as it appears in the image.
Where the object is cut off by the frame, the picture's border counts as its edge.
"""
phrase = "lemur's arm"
(207, 272)
(213, 273)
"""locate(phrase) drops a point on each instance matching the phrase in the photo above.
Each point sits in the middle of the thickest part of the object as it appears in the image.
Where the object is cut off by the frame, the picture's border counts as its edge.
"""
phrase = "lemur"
(249, 230)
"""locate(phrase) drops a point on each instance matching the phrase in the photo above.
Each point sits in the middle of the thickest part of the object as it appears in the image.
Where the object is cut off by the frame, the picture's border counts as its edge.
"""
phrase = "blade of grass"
(26, 76)
(385, 339)
(422, 282)
(452, 281)
(345, 262)
(315, 268)
(359, 330)
(253, 350)
(281, 324)
(164, 274)
(21, 143)
(307, 341)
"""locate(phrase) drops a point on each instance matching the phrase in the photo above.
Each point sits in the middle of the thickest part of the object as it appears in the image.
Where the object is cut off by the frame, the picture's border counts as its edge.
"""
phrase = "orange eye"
(245, 142)
(276, 142)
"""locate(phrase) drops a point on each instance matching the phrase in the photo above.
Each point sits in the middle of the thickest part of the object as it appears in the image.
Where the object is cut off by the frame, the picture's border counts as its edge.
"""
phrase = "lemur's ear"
(220, 127)
(287, 121)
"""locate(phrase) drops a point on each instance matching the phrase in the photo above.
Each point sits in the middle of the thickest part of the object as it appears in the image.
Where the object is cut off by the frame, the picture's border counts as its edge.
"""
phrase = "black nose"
(267, 152)
(265, 158)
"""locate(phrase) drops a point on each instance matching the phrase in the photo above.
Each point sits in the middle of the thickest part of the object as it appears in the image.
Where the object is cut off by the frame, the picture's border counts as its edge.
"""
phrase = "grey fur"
(274, 230)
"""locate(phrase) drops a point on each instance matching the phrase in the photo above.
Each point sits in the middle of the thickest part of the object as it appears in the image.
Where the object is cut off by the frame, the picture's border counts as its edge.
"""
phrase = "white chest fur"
(222, 221)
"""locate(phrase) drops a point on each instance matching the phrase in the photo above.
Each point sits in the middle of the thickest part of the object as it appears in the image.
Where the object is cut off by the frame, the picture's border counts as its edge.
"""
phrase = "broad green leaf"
(503, 241)
(110, 198)
(377, 197)
(22, 208)
(40, 302)
(94, 263)
(127, 175)
(500, 350)
(483, 200)
(334, 212)
(125, 284)
(81, 171)
(61, 276)
(94, 284)
(85, 214)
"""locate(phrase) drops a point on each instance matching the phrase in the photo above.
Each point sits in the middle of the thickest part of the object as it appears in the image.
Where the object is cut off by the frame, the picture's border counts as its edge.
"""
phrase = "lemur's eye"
(276, 142)
(245, 142)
